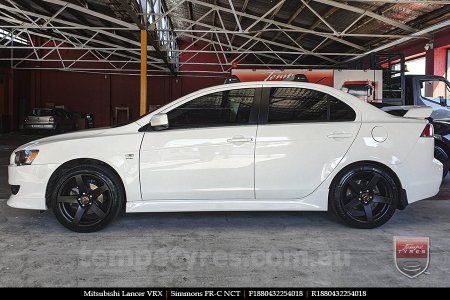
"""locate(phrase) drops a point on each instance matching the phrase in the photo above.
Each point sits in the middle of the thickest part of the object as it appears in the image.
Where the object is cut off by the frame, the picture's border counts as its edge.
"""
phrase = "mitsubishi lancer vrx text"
(259, 146)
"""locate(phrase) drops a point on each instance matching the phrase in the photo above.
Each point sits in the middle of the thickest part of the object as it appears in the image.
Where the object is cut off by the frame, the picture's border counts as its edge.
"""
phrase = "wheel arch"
(403, 201)
(73, 163)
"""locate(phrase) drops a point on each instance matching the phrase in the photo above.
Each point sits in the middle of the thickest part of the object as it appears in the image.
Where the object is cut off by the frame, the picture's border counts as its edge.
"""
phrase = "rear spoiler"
(419, 112)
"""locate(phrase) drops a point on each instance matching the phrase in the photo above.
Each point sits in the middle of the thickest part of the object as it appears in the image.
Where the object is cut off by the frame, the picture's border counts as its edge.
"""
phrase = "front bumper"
(32, 180)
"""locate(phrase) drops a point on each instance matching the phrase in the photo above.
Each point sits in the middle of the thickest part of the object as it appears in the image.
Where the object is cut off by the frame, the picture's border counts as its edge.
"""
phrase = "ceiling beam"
(292, 17)
(367, 13)
(281, 24)
(425, 31)
(244, 8)
(382, 10)
(443, 2)
(151, 33)
(90, 12)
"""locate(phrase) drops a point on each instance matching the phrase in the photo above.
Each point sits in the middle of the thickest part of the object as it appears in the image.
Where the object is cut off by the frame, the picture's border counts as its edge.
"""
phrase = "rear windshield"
(37, 112)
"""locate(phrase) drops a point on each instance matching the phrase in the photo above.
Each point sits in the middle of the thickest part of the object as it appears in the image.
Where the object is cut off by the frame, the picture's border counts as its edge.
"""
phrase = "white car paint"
(267, 167)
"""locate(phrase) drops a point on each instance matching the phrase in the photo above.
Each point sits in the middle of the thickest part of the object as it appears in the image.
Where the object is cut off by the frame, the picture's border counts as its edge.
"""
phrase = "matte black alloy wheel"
(364, 197)
(84, 200)
(87, 197)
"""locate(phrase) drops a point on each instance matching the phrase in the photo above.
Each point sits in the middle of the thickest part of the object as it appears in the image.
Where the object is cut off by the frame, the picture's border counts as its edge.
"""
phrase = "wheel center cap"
(85, 200)
(365, 197)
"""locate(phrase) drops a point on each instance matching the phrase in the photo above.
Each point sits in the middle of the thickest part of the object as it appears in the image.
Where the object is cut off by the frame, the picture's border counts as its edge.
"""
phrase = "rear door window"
(306, 105)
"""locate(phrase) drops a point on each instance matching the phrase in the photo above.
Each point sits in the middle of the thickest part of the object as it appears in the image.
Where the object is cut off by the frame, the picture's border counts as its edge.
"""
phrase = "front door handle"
(239, 140)
(340, 135)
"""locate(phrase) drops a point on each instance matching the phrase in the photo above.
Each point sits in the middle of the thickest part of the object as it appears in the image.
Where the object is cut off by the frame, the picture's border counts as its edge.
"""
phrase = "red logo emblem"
(411, 255)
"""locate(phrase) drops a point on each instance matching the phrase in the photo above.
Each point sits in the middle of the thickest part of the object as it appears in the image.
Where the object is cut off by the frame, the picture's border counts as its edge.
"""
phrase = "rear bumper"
(421, 174)
(427, 186)
(32, 180)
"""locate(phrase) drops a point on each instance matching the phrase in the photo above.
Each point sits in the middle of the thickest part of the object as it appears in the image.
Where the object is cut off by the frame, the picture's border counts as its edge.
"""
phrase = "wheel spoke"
(368, 212)
(80, 212)
(355, 186)
(67, 199)
(98, 191)
(351, 204)
(381, 199)
(373, 182)
(97, 210)
(80, 183)
(357, 213)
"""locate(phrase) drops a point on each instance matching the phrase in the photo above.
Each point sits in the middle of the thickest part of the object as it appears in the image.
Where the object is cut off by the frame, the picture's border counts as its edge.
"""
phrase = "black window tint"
(294, 104)
(305, 105)
(221, 108)
(339, 111)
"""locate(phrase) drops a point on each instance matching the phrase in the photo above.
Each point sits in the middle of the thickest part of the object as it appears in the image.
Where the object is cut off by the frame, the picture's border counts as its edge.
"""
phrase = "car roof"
(370, 112)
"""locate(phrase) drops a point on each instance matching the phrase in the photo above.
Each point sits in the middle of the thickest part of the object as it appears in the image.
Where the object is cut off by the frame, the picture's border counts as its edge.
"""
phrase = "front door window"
(217, 109)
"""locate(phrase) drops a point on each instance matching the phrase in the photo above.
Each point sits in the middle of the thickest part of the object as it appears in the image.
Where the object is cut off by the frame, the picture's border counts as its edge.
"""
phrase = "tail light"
(26, 120)
(51, 119)
(428, 131)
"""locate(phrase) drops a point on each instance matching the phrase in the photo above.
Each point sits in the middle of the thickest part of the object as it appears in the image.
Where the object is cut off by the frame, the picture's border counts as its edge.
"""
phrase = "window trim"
(265, 103)
(253, 118)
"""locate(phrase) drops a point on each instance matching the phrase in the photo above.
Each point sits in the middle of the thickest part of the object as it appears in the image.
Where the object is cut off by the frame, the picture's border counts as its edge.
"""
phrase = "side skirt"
(318, 201)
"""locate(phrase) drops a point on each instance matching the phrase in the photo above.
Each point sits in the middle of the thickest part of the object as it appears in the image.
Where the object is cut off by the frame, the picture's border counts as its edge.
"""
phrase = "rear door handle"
(340, 135)
(239, 139)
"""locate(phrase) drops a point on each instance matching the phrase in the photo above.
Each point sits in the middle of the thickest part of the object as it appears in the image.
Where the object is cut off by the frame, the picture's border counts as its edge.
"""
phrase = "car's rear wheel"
(364, 196)
(442, 156)
(87, 198)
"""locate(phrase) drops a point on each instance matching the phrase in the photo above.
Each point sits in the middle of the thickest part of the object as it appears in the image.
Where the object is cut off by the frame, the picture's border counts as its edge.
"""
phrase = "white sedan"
(259, 146)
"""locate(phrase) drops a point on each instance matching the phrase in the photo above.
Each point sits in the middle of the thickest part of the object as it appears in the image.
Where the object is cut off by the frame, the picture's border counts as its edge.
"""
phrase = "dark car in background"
(54, 119)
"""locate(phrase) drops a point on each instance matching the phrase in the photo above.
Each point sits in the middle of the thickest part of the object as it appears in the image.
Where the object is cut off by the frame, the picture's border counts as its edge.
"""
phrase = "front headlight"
(25, 157)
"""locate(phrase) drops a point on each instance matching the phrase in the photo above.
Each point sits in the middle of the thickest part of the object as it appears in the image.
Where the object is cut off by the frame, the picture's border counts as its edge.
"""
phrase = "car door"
(302, 136)
(208, 150)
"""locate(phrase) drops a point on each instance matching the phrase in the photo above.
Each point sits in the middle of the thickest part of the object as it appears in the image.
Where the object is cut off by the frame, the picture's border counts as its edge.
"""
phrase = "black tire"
(442, 156)
(86, 198)
(57, 129)
(364, 196)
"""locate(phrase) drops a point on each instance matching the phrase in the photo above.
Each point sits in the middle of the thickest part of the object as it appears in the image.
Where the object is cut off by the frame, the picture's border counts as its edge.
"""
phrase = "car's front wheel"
(364, 196)
(86, 198)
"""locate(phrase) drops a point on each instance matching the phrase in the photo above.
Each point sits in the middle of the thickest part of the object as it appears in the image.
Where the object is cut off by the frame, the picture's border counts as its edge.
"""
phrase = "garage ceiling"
(257, 33)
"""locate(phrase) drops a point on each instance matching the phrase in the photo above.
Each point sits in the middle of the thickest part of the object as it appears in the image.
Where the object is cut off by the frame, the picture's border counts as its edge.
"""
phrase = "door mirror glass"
(159, 122)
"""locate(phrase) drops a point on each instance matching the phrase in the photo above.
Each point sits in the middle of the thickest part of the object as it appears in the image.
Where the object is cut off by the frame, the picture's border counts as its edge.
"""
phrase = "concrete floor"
(215, 249)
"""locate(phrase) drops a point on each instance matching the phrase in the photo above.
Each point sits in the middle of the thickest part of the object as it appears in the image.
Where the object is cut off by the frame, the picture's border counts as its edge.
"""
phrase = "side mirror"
(442, 101)
(159, 122)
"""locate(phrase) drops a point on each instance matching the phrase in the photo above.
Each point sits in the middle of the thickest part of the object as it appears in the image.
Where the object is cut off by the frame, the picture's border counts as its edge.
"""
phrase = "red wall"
(100, 94)
(96, 93)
